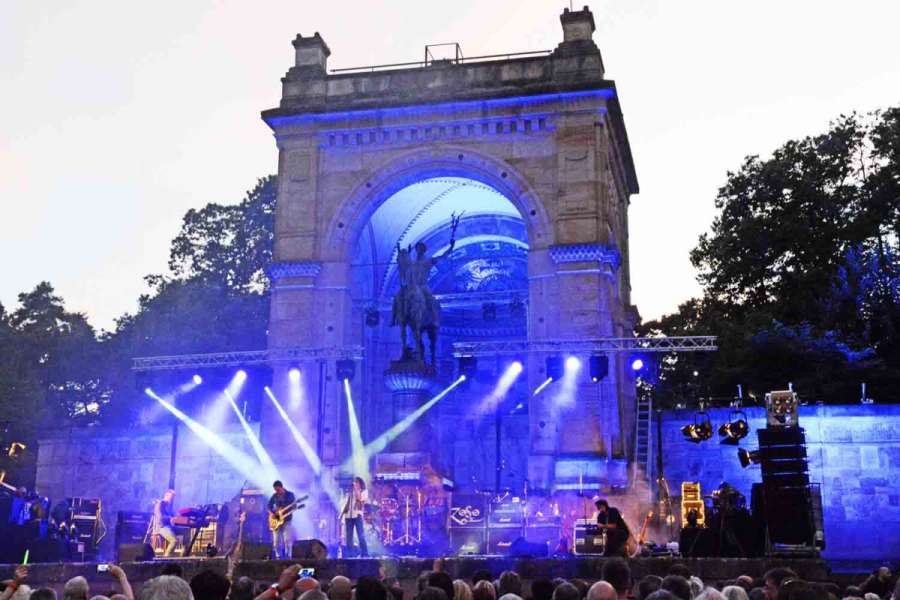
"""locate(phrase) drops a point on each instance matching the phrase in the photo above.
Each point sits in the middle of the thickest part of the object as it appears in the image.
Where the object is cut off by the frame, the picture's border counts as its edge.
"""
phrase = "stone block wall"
(853, 451)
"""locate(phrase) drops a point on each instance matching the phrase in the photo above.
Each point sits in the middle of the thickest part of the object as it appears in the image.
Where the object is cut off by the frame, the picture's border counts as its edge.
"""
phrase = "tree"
(800, 269)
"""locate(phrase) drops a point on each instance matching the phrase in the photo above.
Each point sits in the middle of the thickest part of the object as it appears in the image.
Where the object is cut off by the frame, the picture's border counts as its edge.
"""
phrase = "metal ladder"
(643, 448)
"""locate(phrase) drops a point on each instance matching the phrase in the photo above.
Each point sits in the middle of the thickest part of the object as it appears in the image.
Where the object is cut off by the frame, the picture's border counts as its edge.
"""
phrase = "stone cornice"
(581, 253)
(288, 270)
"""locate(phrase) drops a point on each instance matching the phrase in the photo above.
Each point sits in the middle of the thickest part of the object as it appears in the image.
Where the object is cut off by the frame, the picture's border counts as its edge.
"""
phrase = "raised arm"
(454, 223)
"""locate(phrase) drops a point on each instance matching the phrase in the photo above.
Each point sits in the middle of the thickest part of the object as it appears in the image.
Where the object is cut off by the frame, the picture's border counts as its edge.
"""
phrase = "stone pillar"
(411, 383)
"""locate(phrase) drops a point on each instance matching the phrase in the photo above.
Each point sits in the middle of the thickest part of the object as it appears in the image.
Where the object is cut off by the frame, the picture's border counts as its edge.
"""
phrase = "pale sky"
(118, 116)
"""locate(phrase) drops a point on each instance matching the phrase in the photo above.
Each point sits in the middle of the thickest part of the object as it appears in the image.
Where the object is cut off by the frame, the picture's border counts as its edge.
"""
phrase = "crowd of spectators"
(615, 583)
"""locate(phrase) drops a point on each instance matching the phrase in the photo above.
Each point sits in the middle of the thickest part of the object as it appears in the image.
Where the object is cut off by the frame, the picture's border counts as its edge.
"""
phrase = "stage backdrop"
(853, 450)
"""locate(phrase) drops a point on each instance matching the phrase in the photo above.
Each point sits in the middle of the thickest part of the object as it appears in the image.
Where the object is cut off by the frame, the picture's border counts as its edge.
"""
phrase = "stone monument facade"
(545, 130)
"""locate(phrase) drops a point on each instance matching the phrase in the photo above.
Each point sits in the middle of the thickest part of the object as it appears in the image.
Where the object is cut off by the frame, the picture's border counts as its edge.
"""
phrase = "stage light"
(346, 369)
(294, 375)
(358, 456)
(572, 363)
(781, 409)
(541, 387)
(599, 364)
(749, 457)
(264, 459)
(735, 429)
(241, 376)
(197, 379)
(554, 367)
(506, 381)
(700, 430)
(637, 364)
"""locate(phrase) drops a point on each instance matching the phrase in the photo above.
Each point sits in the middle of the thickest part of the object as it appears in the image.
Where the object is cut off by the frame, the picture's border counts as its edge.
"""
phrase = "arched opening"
(482, 286)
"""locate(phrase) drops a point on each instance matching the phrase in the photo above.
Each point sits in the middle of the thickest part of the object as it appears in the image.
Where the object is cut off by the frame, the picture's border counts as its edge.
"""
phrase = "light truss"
(692, 343)
(244, 357)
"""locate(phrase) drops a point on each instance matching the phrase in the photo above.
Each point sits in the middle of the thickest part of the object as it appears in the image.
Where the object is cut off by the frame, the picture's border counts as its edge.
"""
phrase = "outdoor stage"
(407, 569)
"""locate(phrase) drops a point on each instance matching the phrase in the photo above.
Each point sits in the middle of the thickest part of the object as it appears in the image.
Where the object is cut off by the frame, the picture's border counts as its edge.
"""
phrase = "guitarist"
(353, 516)
(282, 538)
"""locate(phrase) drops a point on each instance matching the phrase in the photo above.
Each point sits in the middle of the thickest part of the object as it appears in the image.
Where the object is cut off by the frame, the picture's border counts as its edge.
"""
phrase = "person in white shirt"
(353, 517)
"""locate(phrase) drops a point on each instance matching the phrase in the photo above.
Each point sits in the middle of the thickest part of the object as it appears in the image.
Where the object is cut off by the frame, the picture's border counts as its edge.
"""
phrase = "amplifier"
(465, 541)
(131, 527)
(588, 539)
(510, 514)
(500, 539)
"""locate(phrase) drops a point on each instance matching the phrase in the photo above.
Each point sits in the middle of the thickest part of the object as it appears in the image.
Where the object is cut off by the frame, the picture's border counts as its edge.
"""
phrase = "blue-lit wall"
(853, 450)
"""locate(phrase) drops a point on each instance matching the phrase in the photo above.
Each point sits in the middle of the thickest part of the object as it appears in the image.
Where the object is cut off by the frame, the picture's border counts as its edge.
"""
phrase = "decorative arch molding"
(344, 229)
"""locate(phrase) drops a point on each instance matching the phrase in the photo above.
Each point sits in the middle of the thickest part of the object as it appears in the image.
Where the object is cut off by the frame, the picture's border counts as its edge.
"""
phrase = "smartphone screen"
(102, 568)
(307, 572)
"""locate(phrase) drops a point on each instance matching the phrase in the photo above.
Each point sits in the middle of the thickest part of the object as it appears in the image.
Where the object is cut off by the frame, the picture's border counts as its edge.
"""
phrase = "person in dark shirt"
(282, 538)
(610, 519)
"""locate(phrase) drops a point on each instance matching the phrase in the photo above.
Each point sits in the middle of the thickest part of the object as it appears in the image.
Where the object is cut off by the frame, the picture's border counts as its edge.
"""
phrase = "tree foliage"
(800, 270)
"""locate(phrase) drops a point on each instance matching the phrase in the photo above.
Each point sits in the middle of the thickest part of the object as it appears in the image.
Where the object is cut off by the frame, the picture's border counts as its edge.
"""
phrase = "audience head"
(678, 586)
(757, 593)
(113, 597)
(662, 594)
(510, 583)
(432, 593)
(710, 594)
(369, 588)
(442, 580)
(745, 581)
(481, 575)
(581, 585)
(44, 593)
(314, 594)
(340, 589)
(305, 584)
(696, 585)
(510, 597)
(172, 568)
(96, 597)
(484, 590)
(76, 589)
(209, 585)
(735, 592)
(773, 579)
(647, 585)
(566, 591)
(602, 590)
(617, 572)
(853, 591)
(461, 590)
(242, 589)
(166, 587)
(542, 589)
(680, 569)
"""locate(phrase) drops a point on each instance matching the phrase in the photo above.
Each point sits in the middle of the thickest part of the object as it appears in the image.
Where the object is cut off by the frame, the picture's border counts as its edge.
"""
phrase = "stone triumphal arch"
(532, 150)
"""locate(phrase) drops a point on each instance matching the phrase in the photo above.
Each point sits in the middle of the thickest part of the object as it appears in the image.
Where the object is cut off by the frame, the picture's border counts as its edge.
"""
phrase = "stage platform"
(406, 569)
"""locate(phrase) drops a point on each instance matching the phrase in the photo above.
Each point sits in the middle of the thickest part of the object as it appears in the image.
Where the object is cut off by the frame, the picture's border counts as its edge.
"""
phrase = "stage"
(407, 569)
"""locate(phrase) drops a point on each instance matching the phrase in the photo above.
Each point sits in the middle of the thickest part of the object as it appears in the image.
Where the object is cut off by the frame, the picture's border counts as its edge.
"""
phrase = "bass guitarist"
(282, 537)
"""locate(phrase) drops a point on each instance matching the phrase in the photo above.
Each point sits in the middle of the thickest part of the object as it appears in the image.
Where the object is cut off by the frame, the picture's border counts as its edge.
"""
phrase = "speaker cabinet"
(255, 551)
(134, 552)
(466, 541)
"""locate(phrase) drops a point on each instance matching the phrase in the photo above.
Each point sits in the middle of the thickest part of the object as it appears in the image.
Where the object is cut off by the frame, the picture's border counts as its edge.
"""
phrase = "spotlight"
(241, 376)
(516, 367)
(468, 365)
(346, 369)
(554, 367)
(700, 430)
(294, 374)
(734, 430)
(599, 367)
(489, 311)
(572, 363)
(15, 450)
(781, 408)
(637, 364)
(747, 457)
(197, 379)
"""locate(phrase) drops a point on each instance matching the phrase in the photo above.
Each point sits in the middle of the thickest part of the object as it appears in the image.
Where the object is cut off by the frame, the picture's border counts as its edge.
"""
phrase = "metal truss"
(693, 343)
(241, 358)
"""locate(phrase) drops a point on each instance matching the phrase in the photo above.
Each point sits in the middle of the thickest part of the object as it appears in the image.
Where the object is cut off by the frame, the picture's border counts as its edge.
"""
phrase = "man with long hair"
(353, 516)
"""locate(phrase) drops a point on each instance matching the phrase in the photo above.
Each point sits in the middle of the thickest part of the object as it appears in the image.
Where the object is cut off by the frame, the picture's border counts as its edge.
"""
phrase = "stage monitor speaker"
(500, 539)
(522, 548)
(255, 551)
(309, 549)
(134, 552)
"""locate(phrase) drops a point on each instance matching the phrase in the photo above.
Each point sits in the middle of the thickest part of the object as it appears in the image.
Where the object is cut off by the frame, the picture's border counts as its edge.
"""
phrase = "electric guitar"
(632, 545)
(278, 518)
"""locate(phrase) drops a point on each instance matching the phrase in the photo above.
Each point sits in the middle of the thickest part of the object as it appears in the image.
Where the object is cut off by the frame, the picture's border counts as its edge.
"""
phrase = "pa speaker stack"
(786, 498)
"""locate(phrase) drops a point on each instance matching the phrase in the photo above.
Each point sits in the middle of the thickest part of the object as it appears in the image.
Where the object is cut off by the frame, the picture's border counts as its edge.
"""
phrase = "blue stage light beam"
(264, 459)
(541, 387)
(358, 456)
(565, 397)
(295, 389)
(152, 413)
(242, 462)
(506, 381)
(382, 441)
(311, 457)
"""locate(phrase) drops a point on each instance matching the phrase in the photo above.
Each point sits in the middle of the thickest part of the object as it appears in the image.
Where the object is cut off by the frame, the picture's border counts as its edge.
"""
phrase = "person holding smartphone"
(353, 517)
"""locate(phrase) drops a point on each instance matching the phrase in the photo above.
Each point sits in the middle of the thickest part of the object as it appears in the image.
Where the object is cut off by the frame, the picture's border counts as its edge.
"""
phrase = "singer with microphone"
(352, 514)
